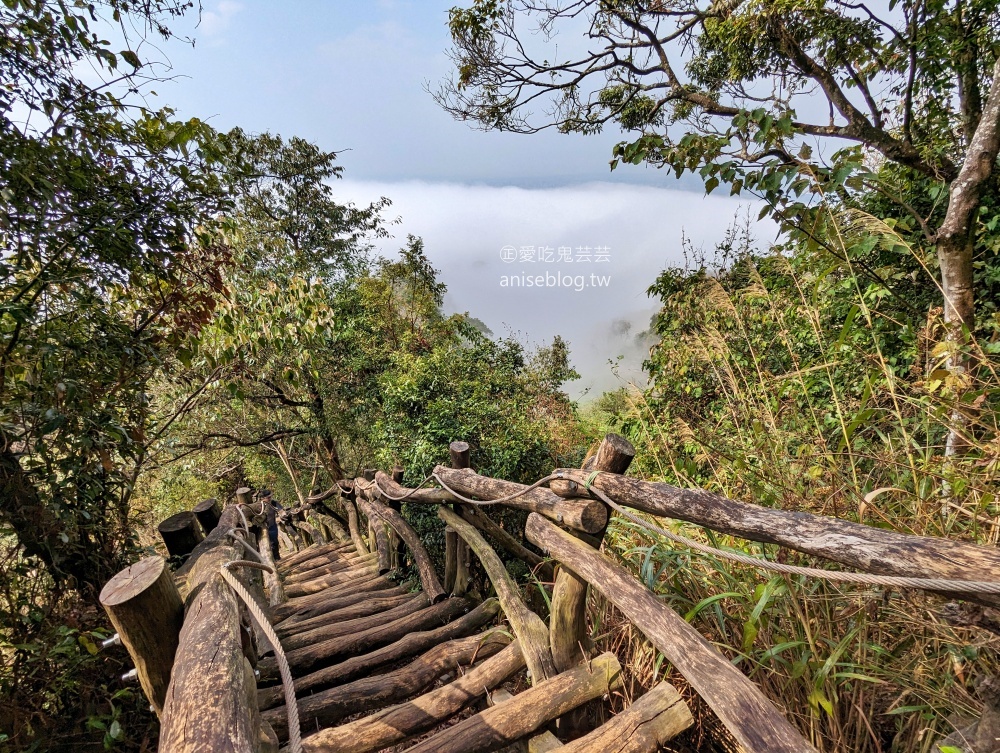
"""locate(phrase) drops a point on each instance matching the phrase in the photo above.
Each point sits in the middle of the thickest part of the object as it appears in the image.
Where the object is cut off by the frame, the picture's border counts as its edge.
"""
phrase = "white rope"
(246, 526)
(892, 581)
(247, 548)
(288, 683)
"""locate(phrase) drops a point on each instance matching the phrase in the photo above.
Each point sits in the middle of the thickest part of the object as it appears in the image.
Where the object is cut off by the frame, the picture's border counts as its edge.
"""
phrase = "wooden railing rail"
(211, 700)
(338, 613)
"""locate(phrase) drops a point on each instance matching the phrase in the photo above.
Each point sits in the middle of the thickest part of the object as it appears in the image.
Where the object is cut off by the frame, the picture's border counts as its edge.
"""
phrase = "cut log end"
(132, 581)
(460, 454)
(181, 533)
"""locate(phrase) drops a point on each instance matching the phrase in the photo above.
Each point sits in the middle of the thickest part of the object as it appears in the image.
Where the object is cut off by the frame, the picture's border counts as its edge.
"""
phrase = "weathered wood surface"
(450, 558)
(286, 615)
(272, 581)
(460, 453)
(315, 535)
(342, 608)
(481, 520)
(364, 608)
(357, 625)
(370, 693)
(587, 515)
(298, 558)
(394, 725)
(461, 457)
(181, 533)
(320, 556)
(208, 512)
(409, 645)
(497, 727)
(382, 547)
(748, 715)
(335, 530)
(570, 640)
(391, 488)
(331, 581)
(284, 540)
(531, 632)
(541, 742)
(310, 658)
(856, 545)
(428, 578)
(146, 609)
(354, 527)
(318, 567)
(330, 563)
(370, 581)
(210, 701)
(614, 455)
(649, 723)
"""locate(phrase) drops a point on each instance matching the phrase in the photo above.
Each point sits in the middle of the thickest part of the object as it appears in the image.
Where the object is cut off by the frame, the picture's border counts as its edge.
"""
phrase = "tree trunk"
(955, 247)
(39, 530)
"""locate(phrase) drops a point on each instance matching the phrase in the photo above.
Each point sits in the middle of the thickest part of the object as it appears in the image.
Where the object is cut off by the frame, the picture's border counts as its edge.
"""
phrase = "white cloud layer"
(465, 227)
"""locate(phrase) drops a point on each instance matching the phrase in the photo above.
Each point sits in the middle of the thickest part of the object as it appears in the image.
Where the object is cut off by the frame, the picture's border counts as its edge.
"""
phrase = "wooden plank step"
(372, 693)
(398, 723)
(407, 646)
(325, 653)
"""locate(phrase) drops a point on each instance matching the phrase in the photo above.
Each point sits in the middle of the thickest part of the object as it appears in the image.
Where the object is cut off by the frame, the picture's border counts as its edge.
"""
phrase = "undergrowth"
(804, 381)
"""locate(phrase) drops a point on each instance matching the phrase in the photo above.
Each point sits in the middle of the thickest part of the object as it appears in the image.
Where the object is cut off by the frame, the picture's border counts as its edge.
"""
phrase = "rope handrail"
(896, 581)
(455, 494)
(287, 682)
(843, 576)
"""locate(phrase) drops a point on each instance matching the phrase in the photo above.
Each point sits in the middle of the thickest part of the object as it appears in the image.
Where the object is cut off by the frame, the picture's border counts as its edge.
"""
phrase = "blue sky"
(352, 77)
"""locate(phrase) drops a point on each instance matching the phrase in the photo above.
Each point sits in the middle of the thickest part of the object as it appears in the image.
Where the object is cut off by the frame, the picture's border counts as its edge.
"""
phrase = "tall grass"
(802, 385)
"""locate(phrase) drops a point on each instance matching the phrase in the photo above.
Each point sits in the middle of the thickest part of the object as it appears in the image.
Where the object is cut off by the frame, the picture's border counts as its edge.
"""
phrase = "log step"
(376, 692)
(408, 646)
(327, 652)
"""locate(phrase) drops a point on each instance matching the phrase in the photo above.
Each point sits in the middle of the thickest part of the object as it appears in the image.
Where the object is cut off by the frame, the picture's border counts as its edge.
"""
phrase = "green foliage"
(794, 380)
(110, 262)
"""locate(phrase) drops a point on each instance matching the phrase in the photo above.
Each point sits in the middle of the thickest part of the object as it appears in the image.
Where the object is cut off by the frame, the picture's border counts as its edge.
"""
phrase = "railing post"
(181, 533)
(460, 453)
(450, 557)
(208, 512)
(369, 475)
(568, 621)
(147, 611)
(397, 549)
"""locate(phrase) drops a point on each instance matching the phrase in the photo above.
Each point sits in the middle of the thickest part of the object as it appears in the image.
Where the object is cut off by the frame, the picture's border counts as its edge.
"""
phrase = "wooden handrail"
(753, 720)
(428, 578)
(586, 515)
(211, 670)
(856, 545)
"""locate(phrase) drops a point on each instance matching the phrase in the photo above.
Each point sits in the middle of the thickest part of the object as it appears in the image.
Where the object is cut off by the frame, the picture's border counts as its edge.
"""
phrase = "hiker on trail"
(271, 507)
